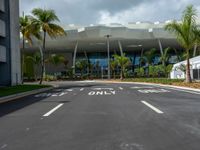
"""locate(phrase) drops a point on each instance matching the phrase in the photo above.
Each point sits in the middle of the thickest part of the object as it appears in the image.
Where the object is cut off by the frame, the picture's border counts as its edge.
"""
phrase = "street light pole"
(108, 51)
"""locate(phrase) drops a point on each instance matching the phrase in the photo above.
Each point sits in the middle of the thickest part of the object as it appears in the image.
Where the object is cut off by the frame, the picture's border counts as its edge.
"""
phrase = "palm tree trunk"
(22, 55)
(188, 76)
(42, 62)
(122, 73)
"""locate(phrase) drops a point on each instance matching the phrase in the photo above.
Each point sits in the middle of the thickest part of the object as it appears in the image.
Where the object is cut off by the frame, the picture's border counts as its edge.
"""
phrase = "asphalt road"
(100, 116)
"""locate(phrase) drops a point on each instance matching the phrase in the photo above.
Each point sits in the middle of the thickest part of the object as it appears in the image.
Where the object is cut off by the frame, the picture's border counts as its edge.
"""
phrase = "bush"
(156, 80)
(139, 72)
(50, 78)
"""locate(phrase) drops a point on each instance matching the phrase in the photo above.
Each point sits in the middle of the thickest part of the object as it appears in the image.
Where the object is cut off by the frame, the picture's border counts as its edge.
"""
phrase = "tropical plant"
(36, 60)
(82, 65)
(185, 34)
(45, 21)
(27, 32)
(123, 62)
(148, 58)
(56, 59)
(164, 59)
(139, 72)
(24, 23)
(113, 65)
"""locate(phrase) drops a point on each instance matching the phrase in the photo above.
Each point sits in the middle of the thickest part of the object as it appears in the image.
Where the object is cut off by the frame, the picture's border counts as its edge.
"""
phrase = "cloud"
(85, 12)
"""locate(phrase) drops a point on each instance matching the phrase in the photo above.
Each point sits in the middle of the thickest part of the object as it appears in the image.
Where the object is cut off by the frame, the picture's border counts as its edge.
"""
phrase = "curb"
(23, 94)
(145, 83)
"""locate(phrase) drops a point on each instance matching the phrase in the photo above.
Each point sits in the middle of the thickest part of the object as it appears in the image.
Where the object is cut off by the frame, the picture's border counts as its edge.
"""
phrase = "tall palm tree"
(185, 35)
(24, 23)
(123, 62)
(27, 31)
(45, 20)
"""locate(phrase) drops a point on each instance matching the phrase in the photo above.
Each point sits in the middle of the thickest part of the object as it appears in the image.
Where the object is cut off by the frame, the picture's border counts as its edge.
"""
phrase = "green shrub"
(50, 78)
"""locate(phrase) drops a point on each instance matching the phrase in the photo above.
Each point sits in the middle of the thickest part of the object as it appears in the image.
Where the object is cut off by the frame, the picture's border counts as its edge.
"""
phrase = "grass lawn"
(176, 82)
(6, 91)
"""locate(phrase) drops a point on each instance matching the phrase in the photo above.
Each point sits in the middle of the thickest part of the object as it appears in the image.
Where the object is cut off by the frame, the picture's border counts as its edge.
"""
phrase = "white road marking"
(120, 88)
(144, 87)
(152, 107)
(4, 146)
(102, 88)
(81, 89)
(54, 95)
(51, 111)
(63, 93)
(91, 93)
(69, 90)
(153, 91)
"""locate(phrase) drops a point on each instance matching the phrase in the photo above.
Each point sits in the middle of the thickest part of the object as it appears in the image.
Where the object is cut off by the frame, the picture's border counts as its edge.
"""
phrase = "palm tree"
(45, 20)
(56, 59)
(27, 31)
(113, 65)
(123, 62)
(148, 57)
(36, 60)
(24, 23)
(82, 65)
(185, 34)
(164, 59)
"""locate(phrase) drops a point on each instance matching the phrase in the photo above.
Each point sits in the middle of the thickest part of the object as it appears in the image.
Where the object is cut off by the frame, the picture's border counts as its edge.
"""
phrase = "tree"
(45, 21)
(55, 59)
(148, 57)
(185, 34)
(27, 31)
(82, 65)
(36, 60)
(123, 62)
(113, 65)
(24, 23)
(164, 59)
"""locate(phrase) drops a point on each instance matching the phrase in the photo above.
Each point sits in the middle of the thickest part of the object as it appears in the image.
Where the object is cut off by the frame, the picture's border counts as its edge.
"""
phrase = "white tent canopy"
(178, 73)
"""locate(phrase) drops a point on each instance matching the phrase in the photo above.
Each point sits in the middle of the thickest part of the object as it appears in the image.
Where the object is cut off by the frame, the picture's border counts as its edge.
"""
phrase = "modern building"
(178, 70)
(92, 43)
(10, 67)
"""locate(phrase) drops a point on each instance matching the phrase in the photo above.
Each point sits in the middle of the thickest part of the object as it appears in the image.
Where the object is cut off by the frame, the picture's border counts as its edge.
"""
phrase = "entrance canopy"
(132, 37)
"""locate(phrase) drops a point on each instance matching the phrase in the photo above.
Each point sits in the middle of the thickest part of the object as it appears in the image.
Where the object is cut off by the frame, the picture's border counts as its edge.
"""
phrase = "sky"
(87, 12)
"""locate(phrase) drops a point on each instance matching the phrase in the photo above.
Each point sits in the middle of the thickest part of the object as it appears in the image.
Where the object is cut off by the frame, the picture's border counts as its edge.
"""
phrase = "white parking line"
(120, 88)
(81, 89)
(63, 93)
(69, 90)
(152, 107)
(51, 111)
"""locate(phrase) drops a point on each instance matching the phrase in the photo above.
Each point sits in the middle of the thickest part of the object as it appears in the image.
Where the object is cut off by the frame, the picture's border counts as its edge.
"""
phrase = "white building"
(178, 73)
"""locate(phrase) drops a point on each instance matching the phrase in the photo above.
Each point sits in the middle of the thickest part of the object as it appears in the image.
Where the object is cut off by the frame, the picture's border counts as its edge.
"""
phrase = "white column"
(87, 61)
(74, 57)
(108, 50)
(160, 45)
(195, 50)
(120, 48)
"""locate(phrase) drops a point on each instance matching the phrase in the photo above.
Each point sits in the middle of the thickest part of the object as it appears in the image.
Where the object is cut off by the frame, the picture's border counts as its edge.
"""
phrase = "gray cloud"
(85, 12)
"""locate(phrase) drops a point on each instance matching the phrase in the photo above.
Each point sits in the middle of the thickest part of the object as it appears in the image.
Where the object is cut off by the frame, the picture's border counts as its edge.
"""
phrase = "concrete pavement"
(102, 116)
